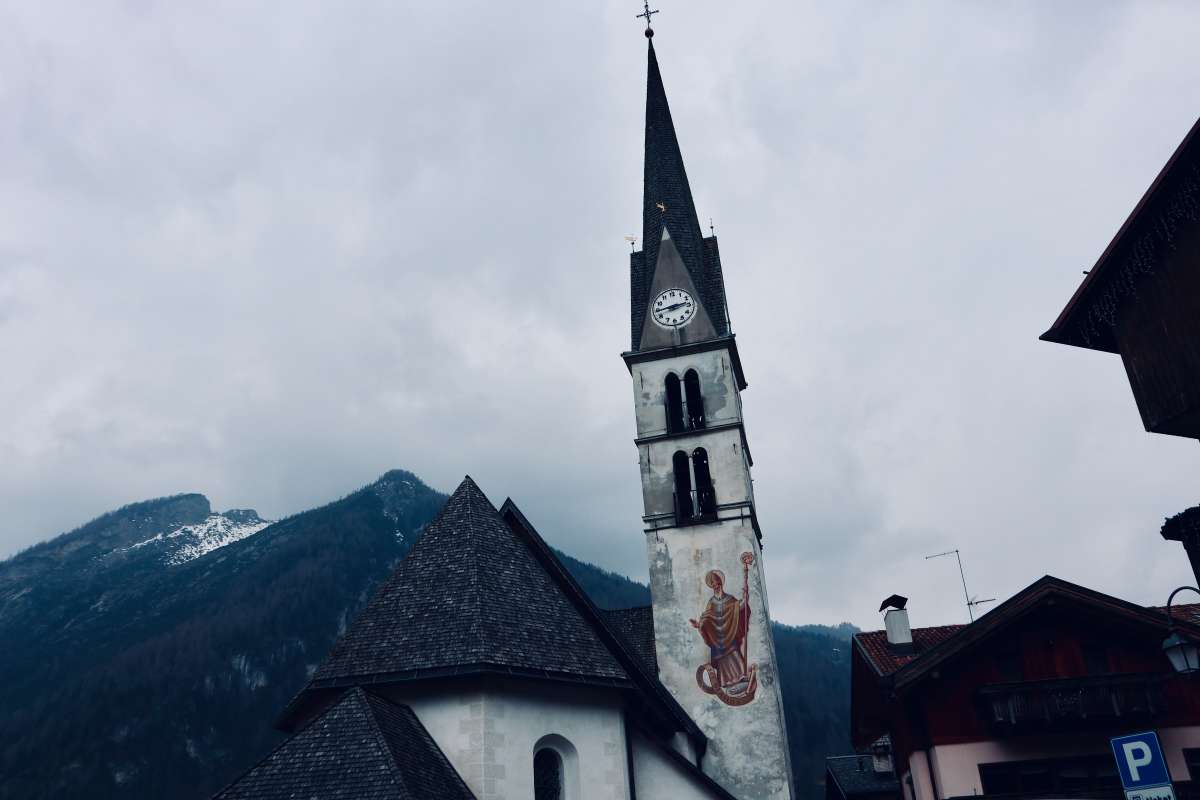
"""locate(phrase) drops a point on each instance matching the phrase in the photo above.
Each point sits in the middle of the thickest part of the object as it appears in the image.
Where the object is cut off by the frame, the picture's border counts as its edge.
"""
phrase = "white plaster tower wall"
(712, 626)
(748, 746)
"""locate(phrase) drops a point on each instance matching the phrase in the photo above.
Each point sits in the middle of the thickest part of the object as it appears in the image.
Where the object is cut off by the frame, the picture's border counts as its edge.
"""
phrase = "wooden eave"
(1064, 330)
(1017, 607)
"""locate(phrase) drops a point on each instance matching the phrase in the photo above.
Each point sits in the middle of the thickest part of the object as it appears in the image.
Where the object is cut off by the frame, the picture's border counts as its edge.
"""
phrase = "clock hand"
(672, 308)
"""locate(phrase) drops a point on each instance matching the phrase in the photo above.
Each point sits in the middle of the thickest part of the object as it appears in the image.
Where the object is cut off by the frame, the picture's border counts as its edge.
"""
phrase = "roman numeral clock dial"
(674, 308)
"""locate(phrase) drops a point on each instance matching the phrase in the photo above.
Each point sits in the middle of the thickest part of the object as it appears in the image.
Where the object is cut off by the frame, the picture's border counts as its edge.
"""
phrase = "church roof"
(636, 625)
(481, 593)
(361, 748)
(665, 182)
(469, 594)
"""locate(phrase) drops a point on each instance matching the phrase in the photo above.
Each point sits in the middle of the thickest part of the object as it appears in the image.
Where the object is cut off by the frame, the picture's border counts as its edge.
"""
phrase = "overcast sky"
(267, 253)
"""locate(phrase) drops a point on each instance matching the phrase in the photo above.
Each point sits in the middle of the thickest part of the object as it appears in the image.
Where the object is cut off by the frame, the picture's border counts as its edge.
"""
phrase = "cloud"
(267, 252)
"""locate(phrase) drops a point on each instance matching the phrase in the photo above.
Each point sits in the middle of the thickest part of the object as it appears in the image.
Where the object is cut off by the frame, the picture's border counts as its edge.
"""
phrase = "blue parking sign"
(1140, 762)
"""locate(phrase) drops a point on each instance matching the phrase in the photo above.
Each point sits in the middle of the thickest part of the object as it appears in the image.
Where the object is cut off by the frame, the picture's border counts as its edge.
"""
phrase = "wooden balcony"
(1072, 703)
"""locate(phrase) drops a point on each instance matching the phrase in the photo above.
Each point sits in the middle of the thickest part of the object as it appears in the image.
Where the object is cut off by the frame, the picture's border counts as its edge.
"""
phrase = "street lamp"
(1183, 653)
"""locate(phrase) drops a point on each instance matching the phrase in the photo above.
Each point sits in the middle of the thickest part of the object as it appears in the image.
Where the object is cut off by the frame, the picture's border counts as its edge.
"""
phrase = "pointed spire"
(667, 199)
(667, 206)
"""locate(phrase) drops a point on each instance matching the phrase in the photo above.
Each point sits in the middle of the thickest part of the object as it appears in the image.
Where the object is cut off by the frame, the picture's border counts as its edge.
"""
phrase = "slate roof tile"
(361, 748)
(469, 593)
(636, 626)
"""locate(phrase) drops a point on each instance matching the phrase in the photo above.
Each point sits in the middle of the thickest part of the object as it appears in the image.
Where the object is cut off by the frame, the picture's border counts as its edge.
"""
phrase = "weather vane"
(647, 14)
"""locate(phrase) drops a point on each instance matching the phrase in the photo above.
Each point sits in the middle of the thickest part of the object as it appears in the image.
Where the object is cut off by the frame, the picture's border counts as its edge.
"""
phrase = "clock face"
(674, 308)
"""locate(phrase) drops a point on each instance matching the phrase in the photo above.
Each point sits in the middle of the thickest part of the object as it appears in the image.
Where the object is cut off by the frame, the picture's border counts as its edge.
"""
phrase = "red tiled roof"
(887, 661)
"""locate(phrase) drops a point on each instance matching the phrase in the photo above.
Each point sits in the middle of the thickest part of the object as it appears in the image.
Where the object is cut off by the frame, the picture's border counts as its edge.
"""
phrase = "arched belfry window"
(685, 509)
(547, 775)
(674, 404)
(706, 498)
(695, 402)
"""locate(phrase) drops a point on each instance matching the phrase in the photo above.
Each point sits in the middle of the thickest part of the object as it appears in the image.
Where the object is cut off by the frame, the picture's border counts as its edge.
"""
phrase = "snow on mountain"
(189, 542)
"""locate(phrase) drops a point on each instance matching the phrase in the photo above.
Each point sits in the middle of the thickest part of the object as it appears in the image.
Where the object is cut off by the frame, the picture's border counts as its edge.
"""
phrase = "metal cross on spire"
(646, 15)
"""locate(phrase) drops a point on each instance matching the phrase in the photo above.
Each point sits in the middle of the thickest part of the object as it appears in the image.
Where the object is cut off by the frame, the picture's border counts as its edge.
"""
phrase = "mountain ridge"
(131, 675)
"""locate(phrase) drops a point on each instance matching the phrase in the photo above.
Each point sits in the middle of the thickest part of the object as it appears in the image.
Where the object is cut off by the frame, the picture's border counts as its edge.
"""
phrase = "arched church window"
(674, 404)
(547, 775)
(695, 402)
(685, 509)
(706, 498)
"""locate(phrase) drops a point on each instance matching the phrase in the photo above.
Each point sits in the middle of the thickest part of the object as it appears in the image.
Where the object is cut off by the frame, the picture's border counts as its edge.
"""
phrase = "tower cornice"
(720, 343)
(694, 433)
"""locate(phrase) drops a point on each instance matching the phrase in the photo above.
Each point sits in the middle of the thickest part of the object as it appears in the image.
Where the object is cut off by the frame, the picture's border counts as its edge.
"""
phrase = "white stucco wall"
(1173, 741)
(728, 460)
(656, 776)
(726, 464)
(489, 736)
(918, 772)
(747, 750)
(956, 766)
(722, 402)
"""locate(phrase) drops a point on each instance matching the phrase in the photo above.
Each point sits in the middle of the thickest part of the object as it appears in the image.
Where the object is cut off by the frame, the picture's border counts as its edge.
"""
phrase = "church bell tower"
(711, 624)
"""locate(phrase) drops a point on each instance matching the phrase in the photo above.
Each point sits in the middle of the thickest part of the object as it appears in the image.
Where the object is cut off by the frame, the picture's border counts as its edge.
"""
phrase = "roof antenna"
(971, 602)
(647, 14)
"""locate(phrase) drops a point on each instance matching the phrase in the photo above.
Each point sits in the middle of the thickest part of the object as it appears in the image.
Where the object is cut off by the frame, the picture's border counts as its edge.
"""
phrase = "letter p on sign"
(1137, 755)
(1140, 762)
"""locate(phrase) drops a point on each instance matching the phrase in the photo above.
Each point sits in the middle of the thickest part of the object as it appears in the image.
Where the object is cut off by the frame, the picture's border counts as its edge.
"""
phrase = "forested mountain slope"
(147, 653)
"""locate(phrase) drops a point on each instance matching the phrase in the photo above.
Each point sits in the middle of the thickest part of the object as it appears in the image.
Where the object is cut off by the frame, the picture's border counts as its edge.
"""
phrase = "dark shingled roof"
(636, 625)
(665, 181)
(856, 775)
(469, 594)
(361, 748)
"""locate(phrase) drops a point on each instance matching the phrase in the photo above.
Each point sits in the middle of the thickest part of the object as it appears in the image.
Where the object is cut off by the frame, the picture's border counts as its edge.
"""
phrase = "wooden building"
(1142, 298)
(1023, 701)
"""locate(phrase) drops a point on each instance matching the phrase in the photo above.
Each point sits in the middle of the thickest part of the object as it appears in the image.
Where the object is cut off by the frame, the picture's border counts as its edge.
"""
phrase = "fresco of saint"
(724, 625)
